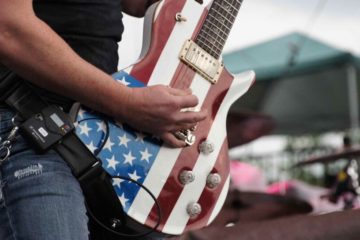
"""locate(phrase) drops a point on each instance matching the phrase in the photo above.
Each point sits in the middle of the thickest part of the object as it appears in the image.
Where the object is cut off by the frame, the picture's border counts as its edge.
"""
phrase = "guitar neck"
(217, 26)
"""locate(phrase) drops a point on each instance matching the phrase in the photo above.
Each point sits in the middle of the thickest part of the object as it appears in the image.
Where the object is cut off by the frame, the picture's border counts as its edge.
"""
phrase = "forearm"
(34, 51)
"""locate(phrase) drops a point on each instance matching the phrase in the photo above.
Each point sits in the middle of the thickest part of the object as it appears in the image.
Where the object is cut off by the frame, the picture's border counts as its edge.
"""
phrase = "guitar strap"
(98, 191)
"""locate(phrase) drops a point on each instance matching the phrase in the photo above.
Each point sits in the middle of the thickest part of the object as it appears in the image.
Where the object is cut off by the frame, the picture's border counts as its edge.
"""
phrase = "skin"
(29, 47)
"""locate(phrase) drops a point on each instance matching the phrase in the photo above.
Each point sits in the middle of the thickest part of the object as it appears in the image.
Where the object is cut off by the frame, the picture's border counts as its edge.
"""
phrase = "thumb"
(172, 141)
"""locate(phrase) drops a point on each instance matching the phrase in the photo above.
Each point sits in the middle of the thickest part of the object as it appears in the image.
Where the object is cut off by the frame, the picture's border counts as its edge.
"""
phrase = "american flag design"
(124, 151)
(142, 157)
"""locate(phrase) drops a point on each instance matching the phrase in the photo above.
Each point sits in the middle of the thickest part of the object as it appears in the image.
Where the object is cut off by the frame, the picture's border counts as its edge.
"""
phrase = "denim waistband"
(6, 115)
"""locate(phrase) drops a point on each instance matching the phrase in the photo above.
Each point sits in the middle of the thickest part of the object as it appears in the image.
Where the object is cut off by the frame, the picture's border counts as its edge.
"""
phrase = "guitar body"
(144, 158)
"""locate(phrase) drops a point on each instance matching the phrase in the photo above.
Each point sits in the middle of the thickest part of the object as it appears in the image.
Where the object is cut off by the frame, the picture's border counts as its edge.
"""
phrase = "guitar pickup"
(201, 61)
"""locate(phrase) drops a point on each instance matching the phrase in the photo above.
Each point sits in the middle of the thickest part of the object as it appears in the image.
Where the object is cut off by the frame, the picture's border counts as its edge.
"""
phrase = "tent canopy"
(301, 82)
(273, 58)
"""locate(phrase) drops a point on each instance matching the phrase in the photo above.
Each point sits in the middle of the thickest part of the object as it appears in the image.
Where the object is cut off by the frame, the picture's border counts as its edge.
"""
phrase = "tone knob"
(213, 180)
(186, 177)
(206, 147)
(193, 209)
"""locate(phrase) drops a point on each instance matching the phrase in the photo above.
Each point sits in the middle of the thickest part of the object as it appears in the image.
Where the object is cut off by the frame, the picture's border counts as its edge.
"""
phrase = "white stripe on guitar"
(200, 88)
(192, 192)
(155, 181)
(158, 8)
(163, 74)
(220, 201)
(169, 58)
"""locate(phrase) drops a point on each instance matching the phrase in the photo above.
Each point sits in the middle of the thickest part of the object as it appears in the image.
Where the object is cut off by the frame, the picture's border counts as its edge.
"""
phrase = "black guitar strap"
(96, 184)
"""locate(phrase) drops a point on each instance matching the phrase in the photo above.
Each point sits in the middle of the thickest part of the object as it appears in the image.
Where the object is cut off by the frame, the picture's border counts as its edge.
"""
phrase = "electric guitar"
(182, 48)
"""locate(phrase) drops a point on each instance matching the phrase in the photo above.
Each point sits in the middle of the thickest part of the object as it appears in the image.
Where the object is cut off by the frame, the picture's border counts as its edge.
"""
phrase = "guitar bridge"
(203, 63)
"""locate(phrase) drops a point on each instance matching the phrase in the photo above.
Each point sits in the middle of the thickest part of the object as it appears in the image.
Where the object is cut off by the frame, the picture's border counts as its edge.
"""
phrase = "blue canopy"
(301, 82)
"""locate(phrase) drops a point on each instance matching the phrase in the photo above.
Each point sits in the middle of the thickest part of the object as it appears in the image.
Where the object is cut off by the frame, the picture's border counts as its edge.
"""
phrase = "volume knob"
(206, 147)
(193, 209)
(186, 177)
(213, 180)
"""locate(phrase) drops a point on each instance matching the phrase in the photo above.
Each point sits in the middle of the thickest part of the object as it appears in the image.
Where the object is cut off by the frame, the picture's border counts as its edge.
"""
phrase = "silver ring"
(5, 150)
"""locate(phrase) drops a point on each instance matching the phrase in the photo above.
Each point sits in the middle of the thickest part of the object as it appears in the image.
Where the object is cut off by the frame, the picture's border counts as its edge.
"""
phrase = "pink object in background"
(246, 177)
(280, 187)
(314, 195)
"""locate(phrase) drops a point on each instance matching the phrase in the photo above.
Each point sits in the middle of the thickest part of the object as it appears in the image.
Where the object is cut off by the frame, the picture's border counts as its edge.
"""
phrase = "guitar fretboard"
(217, 26)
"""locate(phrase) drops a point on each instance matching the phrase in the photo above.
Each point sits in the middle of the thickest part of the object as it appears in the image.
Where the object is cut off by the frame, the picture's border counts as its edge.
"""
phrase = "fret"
(213, 42)
(218, 40)
(215, 31)
(221, 18)
(217, 25)
(236, 5)
(226, 11)
(215, 45)
(223, 28)
(219, 22)
(224, 14)
(229, 8)
(204, 46)
(210, 44)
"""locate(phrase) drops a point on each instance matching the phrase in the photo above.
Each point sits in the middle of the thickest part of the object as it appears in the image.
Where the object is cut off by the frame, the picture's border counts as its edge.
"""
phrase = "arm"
(34, 51)
(136, 8)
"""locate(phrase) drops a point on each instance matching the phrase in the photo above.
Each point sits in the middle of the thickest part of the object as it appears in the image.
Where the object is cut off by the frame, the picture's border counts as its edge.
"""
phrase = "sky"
(335, 22)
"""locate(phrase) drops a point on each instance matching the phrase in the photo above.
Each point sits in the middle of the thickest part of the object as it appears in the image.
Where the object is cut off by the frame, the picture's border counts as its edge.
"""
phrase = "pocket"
(6, 124)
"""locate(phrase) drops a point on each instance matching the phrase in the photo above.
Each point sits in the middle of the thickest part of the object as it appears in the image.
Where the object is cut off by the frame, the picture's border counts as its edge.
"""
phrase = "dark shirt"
(92, 28)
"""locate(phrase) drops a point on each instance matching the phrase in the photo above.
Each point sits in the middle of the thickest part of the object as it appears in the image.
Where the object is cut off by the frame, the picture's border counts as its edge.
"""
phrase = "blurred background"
(299, 123)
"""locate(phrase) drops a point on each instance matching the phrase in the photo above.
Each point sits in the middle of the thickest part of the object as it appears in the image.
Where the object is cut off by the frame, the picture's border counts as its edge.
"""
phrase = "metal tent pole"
(353, 102)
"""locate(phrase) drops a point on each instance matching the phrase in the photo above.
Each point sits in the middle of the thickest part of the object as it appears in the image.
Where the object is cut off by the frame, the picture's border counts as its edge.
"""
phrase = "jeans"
(39, 197)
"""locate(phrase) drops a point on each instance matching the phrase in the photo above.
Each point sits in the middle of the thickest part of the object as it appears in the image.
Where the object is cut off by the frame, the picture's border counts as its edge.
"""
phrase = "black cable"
(130, 235)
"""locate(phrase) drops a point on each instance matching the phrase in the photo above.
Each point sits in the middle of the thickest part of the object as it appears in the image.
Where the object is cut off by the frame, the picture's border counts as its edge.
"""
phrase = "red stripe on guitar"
(184, 75)
(182, 79)
(162, 28)
(189, 156)
(222, 165)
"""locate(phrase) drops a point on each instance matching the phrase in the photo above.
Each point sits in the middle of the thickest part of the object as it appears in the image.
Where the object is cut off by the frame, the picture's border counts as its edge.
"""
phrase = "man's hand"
(157, 110)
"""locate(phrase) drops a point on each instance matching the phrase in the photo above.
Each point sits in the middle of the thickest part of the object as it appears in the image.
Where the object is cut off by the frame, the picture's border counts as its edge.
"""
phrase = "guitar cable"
(92, 215)
(140, 235)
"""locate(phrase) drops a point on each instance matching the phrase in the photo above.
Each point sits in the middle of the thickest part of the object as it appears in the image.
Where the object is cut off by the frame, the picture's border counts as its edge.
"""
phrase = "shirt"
(92, 28)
